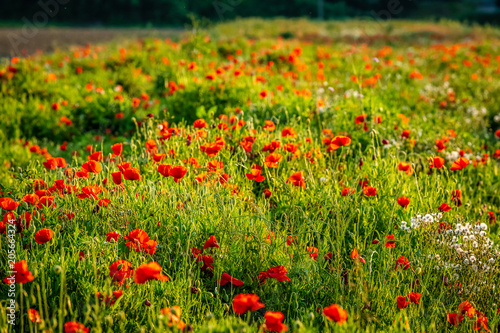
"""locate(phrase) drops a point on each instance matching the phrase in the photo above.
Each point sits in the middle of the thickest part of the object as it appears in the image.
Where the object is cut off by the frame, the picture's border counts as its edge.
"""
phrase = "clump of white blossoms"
(421, 221)
(464, 250)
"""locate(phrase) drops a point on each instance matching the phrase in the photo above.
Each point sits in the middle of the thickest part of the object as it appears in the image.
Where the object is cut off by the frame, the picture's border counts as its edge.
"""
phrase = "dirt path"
(16, 41)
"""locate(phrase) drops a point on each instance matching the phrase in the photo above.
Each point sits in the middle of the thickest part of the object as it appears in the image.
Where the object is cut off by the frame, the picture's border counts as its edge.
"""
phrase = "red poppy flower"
(32, 199)
(60, 162)
(278, 273)
(267, 193)
(109, 299)
(288, 132)
(403, 263)
(297, 179)
(147, 272)
(136, 237)
(406, 167)
(243, 303)
(74, 327)
(466, 308)
(403, 202)
(164, 169)
(354, 254)
(158, 157)
(360, 119)
(124, 166)
(132, 174)
(291, 240)
(151, 145)
(481, 323)
(174, 317)
(208, 262)
(226, 278)
(34, 316)
(92, 166)
(347, 191)
(177, 172)
(456, 197)
(50, 164)
(335, 313)
(291, 148)
(8, 204)
(444, 207)
(406, 134)
(113, 235)
(149, 247)
(401, 301)
(390, 243)
(313, 252)
(454, 318)
(47, 201)
(211, 242)
(269, 126)
(120, 270)
(42, 236)
(459, 164)
(255, 173)
(414, 297)
(104, 202)
(274, 322)
(96, 156)
(117, 148)
(370, 191)
(437, 162)
(271, 147)
(117, 177)
(272, 160)
(339, 141)
(200, 123)
(440, 145)
(21, 275)
(211, 148)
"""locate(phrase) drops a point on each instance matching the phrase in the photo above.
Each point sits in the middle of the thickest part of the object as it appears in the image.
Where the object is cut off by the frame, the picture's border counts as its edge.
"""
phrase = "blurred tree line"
(176, 12)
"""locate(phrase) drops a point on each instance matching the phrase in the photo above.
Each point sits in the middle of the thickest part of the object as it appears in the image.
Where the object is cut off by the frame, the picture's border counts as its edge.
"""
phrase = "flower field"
(268, 176)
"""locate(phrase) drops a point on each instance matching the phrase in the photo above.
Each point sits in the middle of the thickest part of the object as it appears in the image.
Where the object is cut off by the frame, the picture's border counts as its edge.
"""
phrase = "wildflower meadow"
(254, 176)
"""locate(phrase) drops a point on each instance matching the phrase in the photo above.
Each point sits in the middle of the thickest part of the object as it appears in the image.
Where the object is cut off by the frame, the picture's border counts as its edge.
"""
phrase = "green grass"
(251, 229)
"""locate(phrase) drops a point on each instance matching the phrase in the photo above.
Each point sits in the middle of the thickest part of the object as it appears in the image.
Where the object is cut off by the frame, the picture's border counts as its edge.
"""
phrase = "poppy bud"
(385, 142)
(298, 325)
(194, 290)
(188, 142)
(57, 269)
(147, 303)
